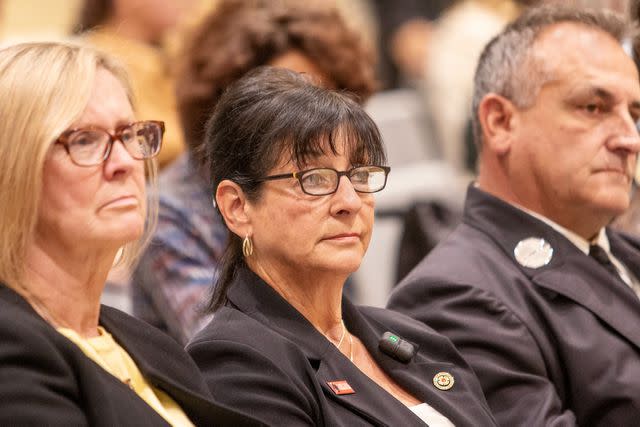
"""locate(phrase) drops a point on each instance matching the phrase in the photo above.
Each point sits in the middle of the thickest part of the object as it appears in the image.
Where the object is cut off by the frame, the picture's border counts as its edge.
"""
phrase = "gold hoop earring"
(247, 246)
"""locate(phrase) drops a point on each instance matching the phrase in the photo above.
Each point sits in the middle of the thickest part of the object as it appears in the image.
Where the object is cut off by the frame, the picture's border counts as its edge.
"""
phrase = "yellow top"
(152, 84)
(107, 353)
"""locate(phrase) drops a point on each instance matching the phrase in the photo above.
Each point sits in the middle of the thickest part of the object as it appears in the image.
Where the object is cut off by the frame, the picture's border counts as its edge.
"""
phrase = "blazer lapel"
(416, 376)
(570, 272)
(605, 296)
(368, 398)
(608, 297)
(257, 299)
(154, 365)
(365, 398)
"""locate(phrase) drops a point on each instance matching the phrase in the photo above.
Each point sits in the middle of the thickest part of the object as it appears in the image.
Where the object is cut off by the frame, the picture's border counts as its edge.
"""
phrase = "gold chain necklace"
(344, 333)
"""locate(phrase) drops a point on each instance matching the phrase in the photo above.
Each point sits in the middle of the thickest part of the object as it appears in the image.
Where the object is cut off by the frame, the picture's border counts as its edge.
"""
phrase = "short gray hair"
(507, 66)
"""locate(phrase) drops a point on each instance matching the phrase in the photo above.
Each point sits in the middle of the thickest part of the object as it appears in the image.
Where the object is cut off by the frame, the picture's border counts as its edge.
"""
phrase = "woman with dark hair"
(293, 167)
(175, 272)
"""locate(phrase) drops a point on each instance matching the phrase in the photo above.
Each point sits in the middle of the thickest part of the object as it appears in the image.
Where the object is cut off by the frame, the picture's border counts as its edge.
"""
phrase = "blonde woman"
(72, 174)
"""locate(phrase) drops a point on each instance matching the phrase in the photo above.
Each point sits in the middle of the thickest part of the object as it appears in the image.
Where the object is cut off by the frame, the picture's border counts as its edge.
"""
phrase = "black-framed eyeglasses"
(324, 181)
(91, 146)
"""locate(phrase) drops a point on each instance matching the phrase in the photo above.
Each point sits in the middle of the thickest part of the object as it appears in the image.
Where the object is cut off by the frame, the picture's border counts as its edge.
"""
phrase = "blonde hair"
(44, 88)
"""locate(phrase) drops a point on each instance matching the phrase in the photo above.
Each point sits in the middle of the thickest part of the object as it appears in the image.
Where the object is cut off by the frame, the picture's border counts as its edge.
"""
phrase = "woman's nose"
(346, 199)
(119, 160)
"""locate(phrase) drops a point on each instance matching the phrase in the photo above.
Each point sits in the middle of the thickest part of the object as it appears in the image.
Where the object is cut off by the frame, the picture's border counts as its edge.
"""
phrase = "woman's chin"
(345, 264)
(120, 236)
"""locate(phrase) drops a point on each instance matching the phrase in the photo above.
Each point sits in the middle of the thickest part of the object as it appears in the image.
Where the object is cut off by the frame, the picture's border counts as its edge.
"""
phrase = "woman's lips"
(343, 237)
(121, 202)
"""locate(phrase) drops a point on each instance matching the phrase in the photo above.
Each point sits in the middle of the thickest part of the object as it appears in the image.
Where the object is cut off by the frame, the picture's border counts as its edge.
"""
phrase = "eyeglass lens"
(365, 179)
(89, 146)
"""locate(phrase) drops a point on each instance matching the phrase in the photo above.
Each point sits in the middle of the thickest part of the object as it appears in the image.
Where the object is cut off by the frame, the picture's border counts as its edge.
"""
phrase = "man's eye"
(593, 108)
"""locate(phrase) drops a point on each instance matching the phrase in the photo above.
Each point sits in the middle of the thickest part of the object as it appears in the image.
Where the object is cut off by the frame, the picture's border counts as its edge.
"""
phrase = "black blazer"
(555, 345)
(262, 357)
(45, 379)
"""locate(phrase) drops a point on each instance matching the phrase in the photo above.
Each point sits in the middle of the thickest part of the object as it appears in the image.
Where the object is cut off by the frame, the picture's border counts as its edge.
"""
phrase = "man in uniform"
(537, 293)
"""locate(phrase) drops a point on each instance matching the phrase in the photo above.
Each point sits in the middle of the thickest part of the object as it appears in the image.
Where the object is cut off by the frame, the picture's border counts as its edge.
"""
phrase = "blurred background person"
(285, 345)
(135, 31)
(455, 44)
(170, 284)
(73, 192)
(403, 31)
(22, 20)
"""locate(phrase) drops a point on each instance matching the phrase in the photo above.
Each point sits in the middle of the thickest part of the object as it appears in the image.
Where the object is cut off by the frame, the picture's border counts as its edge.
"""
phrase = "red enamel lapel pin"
(340, 387)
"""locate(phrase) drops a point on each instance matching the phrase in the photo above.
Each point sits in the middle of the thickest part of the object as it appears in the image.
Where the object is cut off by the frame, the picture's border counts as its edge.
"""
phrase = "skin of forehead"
(567, 44)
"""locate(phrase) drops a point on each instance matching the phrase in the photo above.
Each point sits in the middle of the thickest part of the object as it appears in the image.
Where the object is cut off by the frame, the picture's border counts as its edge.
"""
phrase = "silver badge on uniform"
(533, 252)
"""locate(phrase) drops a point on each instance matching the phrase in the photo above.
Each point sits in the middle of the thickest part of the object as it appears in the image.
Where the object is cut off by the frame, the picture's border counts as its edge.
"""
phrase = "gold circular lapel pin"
(443, 380)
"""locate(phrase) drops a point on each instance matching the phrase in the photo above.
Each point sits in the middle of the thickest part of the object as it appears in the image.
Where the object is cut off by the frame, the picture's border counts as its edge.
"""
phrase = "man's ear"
(232, 203)
(496, 114)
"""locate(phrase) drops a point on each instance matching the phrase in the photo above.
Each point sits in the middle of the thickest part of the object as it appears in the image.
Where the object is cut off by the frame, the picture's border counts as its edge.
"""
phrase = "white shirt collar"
(583, 244)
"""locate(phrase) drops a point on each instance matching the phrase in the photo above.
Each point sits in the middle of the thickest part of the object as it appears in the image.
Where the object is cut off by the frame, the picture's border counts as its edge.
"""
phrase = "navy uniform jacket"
(557, 345)
(262, 357)
(45, 379)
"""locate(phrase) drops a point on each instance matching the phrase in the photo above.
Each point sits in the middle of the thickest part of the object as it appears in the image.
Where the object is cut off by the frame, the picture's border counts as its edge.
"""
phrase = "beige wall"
(36, 19)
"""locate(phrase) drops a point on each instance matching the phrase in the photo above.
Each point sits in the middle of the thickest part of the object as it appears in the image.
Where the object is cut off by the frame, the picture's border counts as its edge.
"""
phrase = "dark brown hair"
(239, 35)
(93, 13)
(272, 116)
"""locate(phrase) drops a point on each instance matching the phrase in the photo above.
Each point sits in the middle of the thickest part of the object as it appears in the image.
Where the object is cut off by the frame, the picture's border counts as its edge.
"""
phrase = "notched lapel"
(417, 377)
(141, 349)
(568, 267)
(365, 400)
(603, 295)
(372, 402)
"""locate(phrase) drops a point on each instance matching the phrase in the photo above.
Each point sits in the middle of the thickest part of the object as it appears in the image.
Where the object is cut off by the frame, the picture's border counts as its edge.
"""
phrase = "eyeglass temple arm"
(282, 176)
